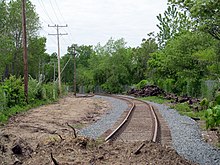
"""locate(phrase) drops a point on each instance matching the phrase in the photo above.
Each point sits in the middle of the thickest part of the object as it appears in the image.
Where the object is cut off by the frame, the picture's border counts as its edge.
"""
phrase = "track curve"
(140, 123)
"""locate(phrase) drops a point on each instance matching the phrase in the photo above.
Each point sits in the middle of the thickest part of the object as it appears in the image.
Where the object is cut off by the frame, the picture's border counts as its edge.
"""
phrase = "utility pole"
(58, 45)
(25, 57)
(74, 78)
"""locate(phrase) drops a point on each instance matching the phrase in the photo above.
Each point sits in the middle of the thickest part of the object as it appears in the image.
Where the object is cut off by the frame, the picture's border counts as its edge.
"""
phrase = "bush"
(212, 116)
(50, 91)
(204, 103)
(34, 90)
(14, 90)
(217, 98)
(142, 84)
(3, 100)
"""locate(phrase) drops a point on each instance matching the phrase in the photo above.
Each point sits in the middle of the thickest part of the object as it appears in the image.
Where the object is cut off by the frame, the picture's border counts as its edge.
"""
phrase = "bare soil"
(45, 135)
(209, 136)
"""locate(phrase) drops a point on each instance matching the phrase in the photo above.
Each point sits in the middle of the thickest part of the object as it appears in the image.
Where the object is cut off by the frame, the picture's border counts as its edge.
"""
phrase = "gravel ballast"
(187, 139)
(107, 120)
(185, 132)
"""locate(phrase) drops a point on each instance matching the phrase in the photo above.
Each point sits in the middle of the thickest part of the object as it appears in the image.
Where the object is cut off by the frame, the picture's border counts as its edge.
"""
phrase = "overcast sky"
(93, 21)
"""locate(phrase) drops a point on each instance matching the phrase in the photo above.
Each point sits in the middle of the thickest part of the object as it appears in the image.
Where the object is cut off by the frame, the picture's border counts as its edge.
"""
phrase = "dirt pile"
(87, 151)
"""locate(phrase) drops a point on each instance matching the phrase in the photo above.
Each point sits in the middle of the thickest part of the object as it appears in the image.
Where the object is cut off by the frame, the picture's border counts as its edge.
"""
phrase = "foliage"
(37, 58)
(9, 112)
(217, 98)
(173, 22)
(35, 89)
(205, 12)
(212, 116)
(140, 57)
(14, 90)
(3, 100)
(11, 36)
(180, 63)
(204, 103)
(142, 84)
(50, 91)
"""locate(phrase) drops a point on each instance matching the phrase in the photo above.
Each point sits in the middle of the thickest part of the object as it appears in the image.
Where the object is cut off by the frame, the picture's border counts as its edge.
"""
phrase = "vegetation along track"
(141, 122)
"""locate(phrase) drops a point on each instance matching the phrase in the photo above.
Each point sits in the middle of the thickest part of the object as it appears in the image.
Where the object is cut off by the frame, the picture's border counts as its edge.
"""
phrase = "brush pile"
(153, 90)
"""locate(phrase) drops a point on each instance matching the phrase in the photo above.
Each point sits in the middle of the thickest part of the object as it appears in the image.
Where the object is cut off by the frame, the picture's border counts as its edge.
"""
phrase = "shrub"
(212, 116)
(142, 84)
(14, 90)
(3, 100)
(204, 103)
(34, 90)
(50, 91)
(217, 98)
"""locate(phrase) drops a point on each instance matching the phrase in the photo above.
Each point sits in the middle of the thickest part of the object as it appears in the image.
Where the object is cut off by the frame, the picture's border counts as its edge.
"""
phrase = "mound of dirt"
(87, 151)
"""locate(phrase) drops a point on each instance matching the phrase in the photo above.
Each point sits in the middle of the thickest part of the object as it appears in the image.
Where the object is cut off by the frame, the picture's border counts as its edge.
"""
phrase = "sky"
(95, 21)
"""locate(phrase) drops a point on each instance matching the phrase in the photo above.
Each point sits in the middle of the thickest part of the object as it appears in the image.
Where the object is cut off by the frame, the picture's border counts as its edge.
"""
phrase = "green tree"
(6, 42)
(183, 61)
(37, 58)
(140, 58)
(205, 12)
(173, 22)
(12, 19)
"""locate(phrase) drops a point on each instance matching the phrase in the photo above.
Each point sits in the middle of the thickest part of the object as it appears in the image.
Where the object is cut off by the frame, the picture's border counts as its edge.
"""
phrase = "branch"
(53, 159)
(74, 131)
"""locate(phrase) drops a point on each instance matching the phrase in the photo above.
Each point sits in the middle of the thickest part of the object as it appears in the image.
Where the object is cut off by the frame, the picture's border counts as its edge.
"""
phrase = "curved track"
(139, 124)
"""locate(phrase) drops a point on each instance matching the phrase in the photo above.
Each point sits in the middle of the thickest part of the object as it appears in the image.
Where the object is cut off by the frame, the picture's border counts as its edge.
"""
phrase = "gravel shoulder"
(187, 138)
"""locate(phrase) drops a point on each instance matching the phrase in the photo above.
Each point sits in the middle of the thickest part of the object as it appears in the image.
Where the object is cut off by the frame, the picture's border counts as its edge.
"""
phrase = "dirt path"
(41, 136)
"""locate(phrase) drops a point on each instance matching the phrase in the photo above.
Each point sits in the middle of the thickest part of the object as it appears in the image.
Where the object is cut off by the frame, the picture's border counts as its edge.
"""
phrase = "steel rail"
(123, 122)
(154, 120)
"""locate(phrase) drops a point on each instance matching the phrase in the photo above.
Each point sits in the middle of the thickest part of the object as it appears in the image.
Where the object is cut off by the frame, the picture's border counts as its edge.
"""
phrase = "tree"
(173, 22)
(6, 42)
(205, 12)
(141, 56)
(11, 16)
(37, 58)
(184, 60)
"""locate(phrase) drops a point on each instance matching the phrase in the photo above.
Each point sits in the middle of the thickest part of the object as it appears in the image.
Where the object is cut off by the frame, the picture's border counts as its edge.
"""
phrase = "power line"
(45, 11)
(59, 10)
(63, 18)
(54, 12)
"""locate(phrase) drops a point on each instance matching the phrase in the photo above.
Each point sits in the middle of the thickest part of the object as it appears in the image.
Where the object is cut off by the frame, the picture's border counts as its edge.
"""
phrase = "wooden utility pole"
(58, 45)
(25, 56)
(74, 78)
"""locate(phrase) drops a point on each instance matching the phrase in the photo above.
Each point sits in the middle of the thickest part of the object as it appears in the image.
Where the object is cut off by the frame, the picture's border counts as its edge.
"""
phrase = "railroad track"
(140, 123)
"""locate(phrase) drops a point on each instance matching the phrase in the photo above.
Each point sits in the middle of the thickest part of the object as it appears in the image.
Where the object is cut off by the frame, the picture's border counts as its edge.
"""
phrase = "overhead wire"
(62, 38)
(45, 11)
(53, 7)
(54, 12)
(44, 21)
(70, 34)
